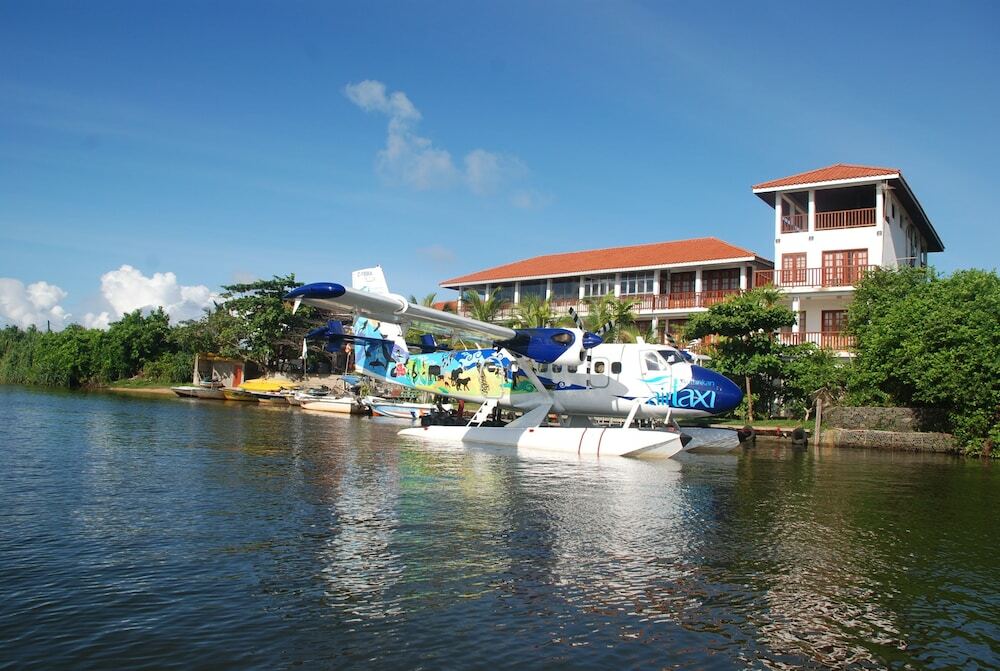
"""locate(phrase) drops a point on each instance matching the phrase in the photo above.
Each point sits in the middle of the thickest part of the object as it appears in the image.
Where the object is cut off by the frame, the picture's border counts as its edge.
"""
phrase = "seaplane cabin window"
(570, 369)
(556, 368)
(637, 283)
(599, 367)
(543, 368)
(616, 367)
(652, 362)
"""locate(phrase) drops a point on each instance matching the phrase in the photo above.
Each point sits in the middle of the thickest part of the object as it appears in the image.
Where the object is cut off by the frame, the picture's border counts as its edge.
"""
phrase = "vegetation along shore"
(922, 341)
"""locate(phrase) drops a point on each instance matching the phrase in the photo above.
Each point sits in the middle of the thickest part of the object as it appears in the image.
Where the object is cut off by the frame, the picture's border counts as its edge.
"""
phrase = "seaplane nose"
(727, 394)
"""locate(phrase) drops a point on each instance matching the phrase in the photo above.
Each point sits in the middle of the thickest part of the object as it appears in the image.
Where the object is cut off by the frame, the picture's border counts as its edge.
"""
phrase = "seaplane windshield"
(652, 362)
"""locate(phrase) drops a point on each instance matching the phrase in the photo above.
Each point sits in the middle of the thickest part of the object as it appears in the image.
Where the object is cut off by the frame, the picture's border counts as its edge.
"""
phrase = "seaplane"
(536, 373)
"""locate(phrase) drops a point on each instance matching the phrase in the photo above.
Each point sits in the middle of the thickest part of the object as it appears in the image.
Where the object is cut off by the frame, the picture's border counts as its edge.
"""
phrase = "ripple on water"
(162, 533)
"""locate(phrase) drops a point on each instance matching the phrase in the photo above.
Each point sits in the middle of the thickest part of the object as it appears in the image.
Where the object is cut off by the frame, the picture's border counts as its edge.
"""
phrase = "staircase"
(484, 412)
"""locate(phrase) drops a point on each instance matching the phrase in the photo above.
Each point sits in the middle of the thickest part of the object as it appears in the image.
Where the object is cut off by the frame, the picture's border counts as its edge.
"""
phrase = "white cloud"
(529, 199)
(36, 304)
(127, 289)
(413, 160)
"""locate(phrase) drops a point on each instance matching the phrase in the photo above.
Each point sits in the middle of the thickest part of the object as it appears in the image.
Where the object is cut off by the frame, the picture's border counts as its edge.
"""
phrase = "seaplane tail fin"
(370, 356)
(371, 280)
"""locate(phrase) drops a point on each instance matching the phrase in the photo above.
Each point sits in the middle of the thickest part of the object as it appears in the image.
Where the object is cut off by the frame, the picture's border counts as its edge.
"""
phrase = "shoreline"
(155, 391)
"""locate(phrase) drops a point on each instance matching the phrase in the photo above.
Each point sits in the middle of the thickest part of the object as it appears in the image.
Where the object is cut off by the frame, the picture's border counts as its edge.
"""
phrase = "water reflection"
(142, 531)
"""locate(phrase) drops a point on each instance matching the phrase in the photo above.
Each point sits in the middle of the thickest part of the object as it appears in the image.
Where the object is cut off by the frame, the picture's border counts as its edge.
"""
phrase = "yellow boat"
(261, 384)
(238, 395)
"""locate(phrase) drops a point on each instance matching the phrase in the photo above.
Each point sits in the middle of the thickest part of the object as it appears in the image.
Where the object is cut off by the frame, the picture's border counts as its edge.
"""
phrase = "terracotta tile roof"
(828, 174)
(595, 260)
(447, 306)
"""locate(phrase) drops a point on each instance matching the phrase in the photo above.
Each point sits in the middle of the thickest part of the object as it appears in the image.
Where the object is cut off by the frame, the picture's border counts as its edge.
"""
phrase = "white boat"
(186, 391)
(346, 405)
(388, 407)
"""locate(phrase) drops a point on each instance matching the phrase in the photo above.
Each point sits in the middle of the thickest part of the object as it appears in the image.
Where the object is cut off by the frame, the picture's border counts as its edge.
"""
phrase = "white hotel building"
(831, 225)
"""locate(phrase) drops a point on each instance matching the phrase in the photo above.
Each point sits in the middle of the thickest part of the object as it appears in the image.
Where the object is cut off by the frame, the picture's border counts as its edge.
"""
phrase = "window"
(652, 362)
(682, 283)
(599, 367)
(595, 287)
(434, 371)
(721, 280)
(616, 367)
(793, 269)
(556, 368)
(636, 283)
(505, 292)
(570, 369)
(844, 267)
(566, 289)
(543, 368)
(533, 288)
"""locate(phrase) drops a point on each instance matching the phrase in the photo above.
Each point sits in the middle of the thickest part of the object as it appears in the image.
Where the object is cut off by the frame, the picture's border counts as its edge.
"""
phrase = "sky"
(151, 152)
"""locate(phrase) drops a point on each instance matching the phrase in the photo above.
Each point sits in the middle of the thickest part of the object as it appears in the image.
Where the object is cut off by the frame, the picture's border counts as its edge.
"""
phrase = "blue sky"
(222, 141)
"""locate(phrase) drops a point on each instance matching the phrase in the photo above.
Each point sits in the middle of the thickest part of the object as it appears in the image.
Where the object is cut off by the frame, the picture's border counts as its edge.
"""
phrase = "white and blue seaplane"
(538, 372)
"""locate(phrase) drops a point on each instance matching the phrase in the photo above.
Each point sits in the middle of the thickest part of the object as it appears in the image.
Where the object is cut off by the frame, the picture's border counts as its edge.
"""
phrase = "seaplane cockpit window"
(563, 338)
(671, 356)
(652, 362)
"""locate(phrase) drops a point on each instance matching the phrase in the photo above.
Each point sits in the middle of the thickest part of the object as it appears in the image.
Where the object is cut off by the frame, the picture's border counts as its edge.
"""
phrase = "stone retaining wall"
(909, 441)
(883, 419)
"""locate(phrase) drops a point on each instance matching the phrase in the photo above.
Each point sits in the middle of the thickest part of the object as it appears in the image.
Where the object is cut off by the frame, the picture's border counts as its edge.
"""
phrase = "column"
(458, 303)
(548, 289)
(812, 210)
(744, 270)
(797, 327)
(517, 293)
(618, 287)
(777, 215)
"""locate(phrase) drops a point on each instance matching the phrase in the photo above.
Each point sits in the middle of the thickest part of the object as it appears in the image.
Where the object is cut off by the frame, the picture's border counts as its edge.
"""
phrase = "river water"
(169, 533)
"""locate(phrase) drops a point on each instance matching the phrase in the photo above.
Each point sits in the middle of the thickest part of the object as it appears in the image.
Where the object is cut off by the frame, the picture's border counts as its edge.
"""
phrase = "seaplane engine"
(564, 346)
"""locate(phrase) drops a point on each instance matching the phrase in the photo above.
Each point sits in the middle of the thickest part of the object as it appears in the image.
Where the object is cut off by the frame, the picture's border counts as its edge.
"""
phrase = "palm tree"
(429, 300)
(483, 309)
(533, 312)
(619, 312)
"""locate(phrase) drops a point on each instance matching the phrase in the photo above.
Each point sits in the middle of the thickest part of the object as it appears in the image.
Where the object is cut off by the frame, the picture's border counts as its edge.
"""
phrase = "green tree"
(609, 309)
(928, 341)
(807, 369)
(533, 312)
(485, 309)
(263, 328)
(746, 348)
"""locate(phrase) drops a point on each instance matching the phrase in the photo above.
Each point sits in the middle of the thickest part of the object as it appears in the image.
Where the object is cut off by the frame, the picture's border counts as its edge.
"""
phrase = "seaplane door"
(597, 372)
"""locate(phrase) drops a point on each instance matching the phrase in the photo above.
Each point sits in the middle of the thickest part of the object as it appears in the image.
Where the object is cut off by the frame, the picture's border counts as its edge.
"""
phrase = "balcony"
(835, 340)
(825, 221)
(833, 276)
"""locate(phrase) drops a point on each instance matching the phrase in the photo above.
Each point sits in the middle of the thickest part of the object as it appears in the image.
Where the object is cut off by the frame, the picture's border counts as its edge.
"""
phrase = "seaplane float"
(569, 373)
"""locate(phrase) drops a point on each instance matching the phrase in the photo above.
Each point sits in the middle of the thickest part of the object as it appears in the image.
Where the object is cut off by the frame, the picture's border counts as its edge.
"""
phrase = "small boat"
(345, 405)
(187, 391)
(386, 407)
(270, 397)
(238, 395)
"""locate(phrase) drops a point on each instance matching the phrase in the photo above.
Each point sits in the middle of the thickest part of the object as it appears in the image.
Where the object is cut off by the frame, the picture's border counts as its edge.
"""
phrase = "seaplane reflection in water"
(568, 372)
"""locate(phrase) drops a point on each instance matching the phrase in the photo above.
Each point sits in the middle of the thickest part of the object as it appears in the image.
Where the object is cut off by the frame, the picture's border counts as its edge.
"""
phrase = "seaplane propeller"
(600, 333)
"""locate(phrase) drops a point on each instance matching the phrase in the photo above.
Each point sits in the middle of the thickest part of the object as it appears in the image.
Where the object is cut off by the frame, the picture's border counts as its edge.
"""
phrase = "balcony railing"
(845, 219)
(794, 223)
(832, 276)
(825, 221)
(836, 340)
(643, 302)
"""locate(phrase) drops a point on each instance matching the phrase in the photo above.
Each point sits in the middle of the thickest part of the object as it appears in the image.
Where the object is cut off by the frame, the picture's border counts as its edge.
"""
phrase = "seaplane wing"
(394, 309)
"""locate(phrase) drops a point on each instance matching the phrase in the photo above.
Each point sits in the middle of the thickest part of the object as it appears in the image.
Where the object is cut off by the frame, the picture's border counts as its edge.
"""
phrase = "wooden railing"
(835, 340)
(834, 276)
(845, 219)
(642, 302)
(794, 223)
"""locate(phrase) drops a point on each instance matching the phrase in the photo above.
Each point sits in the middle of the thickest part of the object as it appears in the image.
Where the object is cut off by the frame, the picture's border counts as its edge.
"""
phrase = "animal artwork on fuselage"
(473, 373)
